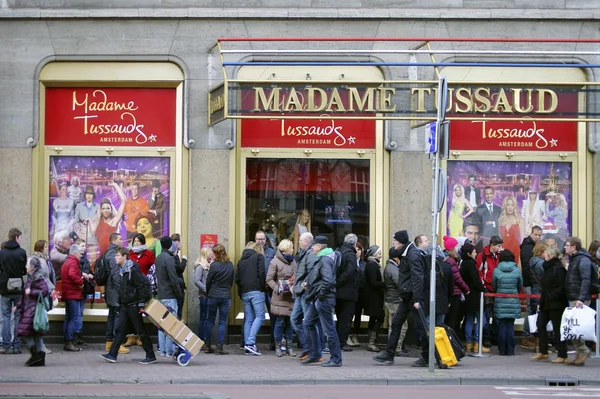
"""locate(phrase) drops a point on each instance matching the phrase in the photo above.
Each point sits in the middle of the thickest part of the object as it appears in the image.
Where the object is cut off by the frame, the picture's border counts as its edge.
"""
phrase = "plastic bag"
(532, 319)
(40, 320)
(578, 324)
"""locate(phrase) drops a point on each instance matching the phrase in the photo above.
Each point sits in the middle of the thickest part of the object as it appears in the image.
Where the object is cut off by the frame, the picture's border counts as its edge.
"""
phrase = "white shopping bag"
(578, 323)
(532, 319)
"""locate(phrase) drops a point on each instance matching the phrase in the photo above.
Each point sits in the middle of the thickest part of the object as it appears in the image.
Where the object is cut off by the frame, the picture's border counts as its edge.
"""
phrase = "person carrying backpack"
(133, 294)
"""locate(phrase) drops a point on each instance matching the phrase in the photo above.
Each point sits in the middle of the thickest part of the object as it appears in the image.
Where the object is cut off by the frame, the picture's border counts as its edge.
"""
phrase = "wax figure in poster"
(63, 209)
(302, 226)
(488, 214)
(158, 205)
(472, 192)
(533, 208)
(108, 219)
(461, 209)
(512, 226)
(134, 207)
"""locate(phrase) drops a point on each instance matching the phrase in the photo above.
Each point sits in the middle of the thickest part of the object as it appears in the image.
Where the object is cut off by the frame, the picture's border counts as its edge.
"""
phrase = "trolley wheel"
(183, 359)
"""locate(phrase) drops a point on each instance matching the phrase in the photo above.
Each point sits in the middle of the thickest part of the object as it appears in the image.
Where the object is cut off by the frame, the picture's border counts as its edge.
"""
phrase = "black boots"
(37, 358)
(78, 341)
(220, 350)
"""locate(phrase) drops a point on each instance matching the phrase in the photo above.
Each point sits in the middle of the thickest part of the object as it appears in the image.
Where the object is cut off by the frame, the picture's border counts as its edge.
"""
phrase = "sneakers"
(331, 364)
(148, 360)
(352, 341)
(69, 347)
(402, 353)
(3, 351)
(303, 355)
(346, 348)
(252, 350)
(384, 358)
(109, 358)
(420, 362)
(310, 360)
(540, 356)
(325, 350)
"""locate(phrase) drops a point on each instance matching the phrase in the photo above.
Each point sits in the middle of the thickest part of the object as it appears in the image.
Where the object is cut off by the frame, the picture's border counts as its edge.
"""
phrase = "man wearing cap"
(86, 212)
(158, 205)
(320, 288)
(411, 279)
(169, 290)
(134, 207)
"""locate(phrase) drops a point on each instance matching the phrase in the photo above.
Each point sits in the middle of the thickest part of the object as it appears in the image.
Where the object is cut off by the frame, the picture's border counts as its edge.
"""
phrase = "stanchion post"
(597, 355)
(480, 328)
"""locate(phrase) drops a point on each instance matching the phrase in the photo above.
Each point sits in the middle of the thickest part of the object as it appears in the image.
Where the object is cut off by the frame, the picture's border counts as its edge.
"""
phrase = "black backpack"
(101, 270)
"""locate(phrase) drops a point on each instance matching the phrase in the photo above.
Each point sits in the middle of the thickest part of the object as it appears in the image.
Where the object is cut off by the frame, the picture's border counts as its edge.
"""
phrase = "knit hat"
(401, 236)
(372, 251)
(450, 243)
(166, 242)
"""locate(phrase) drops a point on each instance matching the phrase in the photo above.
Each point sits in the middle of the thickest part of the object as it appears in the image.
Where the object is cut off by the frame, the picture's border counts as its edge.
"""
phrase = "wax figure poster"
(487, 198)
(93, 197)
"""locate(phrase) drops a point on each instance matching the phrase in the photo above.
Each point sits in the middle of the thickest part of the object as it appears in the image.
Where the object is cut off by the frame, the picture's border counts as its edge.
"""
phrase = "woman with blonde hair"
(218, 290)
(281, 270)
(457, 211)
(302, 226)
(201, 267)
(511, 226)
(558, 213)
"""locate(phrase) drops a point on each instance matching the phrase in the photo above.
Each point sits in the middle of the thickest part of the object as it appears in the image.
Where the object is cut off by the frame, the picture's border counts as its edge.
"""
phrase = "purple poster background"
(69, 177)
(542, 192)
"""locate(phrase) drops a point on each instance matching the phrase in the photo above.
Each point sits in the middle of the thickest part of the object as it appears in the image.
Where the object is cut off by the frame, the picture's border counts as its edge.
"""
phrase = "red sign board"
(524, 135)
(208, 240)
(308, 133)
(111, 116)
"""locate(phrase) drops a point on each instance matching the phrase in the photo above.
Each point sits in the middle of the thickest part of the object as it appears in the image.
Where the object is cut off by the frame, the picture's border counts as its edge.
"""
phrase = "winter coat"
(166, 277)
(554, 294)
(72, 281)
(507, 279)
(133, 289)
(305, 261)
(36, 283)
(411, 275)
(280, 269)
(374, 288)
(219, 280)
(470, 275)
(46, 270)
(111, 289)
(526, 248)
(536, 269)
(390, 280)
(347, 276)
(460, 287)
(444, 287)
(250, 272)
(144, 258)
(12, 263)
(579, 275)
(200, 275)
(320, 282)
(486, 263)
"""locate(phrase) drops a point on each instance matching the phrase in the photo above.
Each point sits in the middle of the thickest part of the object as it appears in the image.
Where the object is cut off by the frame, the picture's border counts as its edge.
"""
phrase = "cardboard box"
(159, 314)
(169, 323)
(186, 338)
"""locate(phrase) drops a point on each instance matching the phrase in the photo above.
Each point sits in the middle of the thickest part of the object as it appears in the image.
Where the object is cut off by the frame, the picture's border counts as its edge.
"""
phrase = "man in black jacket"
(133, 294)
(528, 341)
(411, 281)
(12, 266)
(169, 290)
(180, 265)
(347, 277)
(578, 283)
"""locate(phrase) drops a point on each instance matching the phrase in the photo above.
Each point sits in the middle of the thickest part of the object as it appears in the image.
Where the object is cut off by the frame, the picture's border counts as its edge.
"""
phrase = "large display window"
(287, 197)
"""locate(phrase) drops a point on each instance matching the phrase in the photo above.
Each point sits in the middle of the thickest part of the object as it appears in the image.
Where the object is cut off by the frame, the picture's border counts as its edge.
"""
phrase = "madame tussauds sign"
(463, 100)
(110, 116)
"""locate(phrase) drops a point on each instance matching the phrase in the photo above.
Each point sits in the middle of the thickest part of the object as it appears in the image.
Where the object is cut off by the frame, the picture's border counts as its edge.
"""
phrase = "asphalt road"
(289, 391)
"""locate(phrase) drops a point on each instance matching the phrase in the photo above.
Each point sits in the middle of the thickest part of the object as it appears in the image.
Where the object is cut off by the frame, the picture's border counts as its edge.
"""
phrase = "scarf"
(288, 258)
(138, 250)
(127, 268)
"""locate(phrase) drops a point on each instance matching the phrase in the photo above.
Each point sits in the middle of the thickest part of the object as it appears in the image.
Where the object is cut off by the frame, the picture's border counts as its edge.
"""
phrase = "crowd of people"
(304, 290)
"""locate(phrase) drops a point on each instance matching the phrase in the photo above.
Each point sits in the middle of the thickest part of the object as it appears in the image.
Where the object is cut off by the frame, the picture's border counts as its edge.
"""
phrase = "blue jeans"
(325, 307)
(254, 315)
(222, 305)
(487, 315)
(470, 336)
(203, 317)
(296, 322)
(8, 329)
(506, 336)
(283, 327)
(166, 345)
(80, 321)
(310, 324)
(35, 340)
(72, 316)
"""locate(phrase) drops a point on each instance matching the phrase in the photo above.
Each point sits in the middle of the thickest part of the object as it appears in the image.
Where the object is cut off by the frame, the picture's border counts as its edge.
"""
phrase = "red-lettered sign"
(208, 240)
(525, 135)
(308, 133)
(111, 116)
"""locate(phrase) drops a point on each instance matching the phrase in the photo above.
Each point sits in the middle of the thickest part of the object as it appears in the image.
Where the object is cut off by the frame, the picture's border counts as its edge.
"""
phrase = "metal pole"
(480, 328)
(597, 355)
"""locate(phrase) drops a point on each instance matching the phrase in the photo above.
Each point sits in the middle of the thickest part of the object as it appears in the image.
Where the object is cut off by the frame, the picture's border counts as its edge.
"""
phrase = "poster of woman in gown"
(528, 194)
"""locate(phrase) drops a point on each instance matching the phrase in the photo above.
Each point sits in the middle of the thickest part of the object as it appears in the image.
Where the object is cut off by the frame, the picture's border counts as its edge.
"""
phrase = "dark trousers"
(555, 316)
(344, 310)
(358, 309)
(130, 319)
(180, 303)
(506, 336)
(404, 309)
(452, 318)
(112, 323)
(272, 317)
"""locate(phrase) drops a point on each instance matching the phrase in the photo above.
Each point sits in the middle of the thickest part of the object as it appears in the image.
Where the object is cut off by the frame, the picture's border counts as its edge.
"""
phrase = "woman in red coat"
(72, 286)
(36, 284)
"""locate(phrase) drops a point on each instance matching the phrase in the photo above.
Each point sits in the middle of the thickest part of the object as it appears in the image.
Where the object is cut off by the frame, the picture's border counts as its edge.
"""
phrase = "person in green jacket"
(507, 279)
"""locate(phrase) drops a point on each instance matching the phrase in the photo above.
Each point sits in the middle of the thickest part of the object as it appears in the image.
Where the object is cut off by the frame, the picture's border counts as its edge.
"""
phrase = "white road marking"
(570, 392)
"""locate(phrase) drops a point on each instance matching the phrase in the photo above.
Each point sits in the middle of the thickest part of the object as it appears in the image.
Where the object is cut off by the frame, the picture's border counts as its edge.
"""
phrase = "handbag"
(283, 286)
(532, 320)
(14, 285)
(40, 319)
(578, 324)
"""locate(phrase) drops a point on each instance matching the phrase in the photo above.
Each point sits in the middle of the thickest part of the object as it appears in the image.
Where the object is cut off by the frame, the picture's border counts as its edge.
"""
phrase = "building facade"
(118, 99)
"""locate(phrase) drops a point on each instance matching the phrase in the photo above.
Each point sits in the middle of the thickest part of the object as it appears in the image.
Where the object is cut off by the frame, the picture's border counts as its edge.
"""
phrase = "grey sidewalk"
(358, 368)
